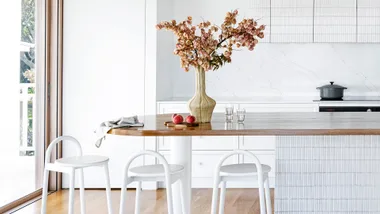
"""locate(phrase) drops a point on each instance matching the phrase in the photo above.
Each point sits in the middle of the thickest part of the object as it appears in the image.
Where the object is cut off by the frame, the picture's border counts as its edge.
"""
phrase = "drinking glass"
(229, 112)
(240, 114)
(228, 125)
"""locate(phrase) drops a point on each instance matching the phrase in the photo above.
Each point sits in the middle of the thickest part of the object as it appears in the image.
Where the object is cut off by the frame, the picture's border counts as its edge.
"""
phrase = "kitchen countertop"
(257, 99)
(286, 123)
(282, 100)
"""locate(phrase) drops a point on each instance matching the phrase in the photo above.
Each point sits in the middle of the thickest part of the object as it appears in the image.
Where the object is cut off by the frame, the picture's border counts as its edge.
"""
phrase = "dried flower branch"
(199, 46)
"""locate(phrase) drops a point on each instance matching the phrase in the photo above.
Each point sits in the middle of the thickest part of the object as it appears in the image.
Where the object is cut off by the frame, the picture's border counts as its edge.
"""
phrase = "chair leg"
(215, 191)
(261, 195)
(222, 197)
(184, 211)
(123, 193)
(108, 188)
(267, 196)
(71, 191)
(137, 200)
(169, 195)
(45, 191)
(81, 191)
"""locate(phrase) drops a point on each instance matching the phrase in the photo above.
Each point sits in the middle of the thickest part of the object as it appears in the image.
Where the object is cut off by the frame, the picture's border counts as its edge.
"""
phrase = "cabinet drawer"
(280, 107)
(204, 163)
(258, 142)
(181, 107)
(220, 107)
(267, 158)
(169, 108)
(215, 143)
(204, 143)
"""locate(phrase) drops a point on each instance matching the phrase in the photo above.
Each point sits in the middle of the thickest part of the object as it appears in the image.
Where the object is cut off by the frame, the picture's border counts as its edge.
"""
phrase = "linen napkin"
(122, 122)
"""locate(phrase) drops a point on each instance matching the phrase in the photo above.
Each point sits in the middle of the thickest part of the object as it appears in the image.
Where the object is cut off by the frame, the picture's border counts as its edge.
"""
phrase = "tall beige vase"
(201, 106)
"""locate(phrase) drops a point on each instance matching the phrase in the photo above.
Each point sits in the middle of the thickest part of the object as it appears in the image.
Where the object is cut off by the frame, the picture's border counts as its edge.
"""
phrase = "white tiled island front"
(327, 174)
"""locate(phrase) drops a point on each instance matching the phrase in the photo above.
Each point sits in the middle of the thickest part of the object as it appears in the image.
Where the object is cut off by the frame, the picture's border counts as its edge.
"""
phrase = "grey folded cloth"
(122, 122)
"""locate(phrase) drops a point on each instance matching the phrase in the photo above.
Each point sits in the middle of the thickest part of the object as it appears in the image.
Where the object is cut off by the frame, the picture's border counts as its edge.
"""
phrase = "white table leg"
(181, 152)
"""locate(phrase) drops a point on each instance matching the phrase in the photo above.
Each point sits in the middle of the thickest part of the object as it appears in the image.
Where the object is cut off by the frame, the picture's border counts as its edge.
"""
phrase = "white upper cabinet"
(291, 21)
(319, 21)
(368, 21)
(335, 21)
(260, 9)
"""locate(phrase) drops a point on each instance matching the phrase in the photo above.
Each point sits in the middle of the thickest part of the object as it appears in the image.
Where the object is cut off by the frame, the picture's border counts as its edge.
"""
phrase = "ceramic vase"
(201, 106)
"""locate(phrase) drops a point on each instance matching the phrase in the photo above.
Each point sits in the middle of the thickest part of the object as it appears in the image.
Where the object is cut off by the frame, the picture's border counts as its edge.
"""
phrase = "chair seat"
(82, 161)
(242, 169)
(155, 170)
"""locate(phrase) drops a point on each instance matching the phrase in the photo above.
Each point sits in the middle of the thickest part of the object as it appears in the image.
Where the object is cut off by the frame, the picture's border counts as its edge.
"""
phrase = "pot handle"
(332, 82)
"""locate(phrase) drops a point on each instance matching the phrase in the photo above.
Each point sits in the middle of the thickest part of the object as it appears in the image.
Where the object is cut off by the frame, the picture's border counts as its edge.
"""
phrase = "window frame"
(49, 103)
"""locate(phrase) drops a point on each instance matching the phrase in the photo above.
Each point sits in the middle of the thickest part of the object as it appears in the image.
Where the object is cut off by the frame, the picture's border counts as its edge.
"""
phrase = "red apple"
(174, 115)
(177, 119)
(190, 119)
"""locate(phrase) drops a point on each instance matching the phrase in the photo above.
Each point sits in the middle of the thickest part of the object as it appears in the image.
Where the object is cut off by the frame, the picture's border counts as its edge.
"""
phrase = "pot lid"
(332, 86)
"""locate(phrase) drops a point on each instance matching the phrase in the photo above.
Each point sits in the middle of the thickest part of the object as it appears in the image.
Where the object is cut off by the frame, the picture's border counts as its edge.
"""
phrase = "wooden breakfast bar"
(325, 162)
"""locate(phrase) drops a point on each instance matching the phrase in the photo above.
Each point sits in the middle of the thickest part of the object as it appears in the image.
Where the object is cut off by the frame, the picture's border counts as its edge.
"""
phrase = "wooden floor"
(239, 201)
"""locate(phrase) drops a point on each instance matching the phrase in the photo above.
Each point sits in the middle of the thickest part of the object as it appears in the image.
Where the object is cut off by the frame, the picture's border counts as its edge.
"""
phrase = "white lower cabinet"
(280, 107)
(204, 163)
(207, 150)
(258, 143)
(267, 158)
(201, 143)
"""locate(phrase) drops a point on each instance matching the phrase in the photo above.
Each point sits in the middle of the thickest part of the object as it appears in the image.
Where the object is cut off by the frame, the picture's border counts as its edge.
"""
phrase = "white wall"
(291, 70)
(10, 14)
(165, 48)
(103, 76)
(283, 70)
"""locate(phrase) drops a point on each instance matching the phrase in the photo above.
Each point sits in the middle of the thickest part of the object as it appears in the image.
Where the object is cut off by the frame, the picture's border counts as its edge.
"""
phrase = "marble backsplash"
(287, 70)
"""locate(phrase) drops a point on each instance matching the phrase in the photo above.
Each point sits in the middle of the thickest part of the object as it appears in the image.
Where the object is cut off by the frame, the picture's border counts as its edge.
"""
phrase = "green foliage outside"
(27, 59)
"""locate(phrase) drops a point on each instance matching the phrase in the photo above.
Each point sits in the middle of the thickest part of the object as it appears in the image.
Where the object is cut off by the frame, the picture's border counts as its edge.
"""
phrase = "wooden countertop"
(316, 123)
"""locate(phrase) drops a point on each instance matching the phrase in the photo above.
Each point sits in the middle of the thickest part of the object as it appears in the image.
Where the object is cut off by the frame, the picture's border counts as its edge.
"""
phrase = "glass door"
(22, 92)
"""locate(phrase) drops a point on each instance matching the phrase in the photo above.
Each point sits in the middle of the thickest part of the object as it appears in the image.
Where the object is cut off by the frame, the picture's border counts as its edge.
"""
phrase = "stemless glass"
(240, 113)
(229, 113)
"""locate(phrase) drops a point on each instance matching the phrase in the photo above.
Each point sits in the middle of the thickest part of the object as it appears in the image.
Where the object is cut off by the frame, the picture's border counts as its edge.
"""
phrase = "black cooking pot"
(331, 92)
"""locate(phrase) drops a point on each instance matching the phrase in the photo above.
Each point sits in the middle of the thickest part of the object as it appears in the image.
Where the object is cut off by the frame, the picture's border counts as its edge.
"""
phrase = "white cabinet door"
(291, 21)
(368, 21)
(275, 107)
(261, 8)
(267, 158)
(335, 21)
(170, 108)
(215, 143)
(205, 143)
(181, 107)
(204, 163)
(257, 143)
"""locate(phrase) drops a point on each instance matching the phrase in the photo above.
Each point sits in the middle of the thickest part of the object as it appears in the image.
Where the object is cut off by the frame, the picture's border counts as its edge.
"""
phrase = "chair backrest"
(70, 139)
(241, 152)
(150, 153)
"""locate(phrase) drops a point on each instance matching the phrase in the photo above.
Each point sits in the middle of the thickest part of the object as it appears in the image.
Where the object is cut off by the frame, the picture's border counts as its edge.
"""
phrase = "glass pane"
(18, 147)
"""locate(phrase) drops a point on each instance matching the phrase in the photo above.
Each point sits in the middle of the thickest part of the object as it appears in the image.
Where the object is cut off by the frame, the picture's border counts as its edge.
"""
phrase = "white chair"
(69, 165)
(241, 172)
(169, 173)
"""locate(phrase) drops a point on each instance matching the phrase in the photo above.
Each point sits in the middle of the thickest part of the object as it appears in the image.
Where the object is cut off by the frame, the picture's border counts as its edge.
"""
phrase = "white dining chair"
(168, 173)
(241, 172)
(70, 165)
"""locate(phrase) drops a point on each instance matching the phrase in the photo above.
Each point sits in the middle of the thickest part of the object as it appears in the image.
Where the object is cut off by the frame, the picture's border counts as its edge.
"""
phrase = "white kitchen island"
(325, 162)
